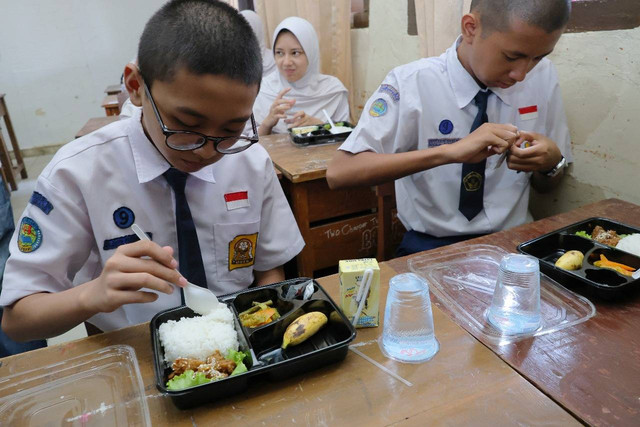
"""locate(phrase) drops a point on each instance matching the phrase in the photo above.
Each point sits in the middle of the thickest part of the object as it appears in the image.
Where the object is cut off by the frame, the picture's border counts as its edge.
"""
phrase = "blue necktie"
(472, 183)
(190, 258)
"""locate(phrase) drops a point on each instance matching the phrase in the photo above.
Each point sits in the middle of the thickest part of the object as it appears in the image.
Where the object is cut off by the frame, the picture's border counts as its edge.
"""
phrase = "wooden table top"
(110, 101)
(298, 163)
(592, 369)
(96, 123)
(465, 383)
(113, 89)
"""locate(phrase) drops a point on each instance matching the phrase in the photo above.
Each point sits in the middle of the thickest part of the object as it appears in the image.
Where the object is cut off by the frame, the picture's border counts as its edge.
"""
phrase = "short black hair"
(496, 15)
(205, 36)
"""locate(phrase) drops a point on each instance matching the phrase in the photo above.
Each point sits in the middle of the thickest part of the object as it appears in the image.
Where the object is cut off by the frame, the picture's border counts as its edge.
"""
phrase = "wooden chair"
(110, 105)
(9, 169)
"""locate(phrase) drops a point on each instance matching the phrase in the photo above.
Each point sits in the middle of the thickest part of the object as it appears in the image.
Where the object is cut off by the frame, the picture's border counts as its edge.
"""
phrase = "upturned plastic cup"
(515, 306)
(407, 334)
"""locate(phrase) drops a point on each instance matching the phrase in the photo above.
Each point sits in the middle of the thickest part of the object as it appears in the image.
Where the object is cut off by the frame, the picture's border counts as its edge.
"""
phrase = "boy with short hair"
(440, 125)
(179, 168)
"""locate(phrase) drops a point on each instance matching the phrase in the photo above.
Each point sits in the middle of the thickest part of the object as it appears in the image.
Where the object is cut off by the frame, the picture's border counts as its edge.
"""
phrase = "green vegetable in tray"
(238, 357)
(583, 234)
(187, 379)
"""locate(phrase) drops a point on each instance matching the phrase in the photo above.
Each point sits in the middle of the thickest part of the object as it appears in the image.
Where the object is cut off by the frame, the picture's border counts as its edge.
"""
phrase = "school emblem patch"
(391, 91)
(472, 181)
(378, 108)
(30, 236)
(242, 251)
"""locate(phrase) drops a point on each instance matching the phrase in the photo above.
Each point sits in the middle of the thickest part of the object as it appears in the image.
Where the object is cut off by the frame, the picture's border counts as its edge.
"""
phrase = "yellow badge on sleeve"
(242, 251)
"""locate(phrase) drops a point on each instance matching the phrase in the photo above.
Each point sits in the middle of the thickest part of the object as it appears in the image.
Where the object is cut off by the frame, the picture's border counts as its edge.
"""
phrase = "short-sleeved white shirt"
(97, 185)
(428, 103)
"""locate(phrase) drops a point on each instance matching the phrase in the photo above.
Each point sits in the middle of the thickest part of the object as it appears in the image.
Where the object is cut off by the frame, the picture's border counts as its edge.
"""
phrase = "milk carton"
(351, 272)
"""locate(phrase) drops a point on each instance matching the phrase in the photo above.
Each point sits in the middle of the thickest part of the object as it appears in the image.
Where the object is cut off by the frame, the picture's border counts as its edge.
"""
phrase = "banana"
(571, 260)
(303, 328)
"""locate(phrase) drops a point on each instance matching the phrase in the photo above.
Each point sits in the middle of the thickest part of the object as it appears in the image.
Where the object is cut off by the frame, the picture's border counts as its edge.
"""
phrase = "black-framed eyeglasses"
(184, 140)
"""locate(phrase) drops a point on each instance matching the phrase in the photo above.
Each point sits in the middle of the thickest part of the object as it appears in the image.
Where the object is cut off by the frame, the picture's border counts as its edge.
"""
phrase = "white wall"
(57, 57)
(599, 75)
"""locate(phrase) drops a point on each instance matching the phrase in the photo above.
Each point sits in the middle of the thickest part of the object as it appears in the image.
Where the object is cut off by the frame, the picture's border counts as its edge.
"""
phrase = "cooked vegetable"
(303, 328)
(583, 234)
(258, 315)
(620, 268)
(571, 260)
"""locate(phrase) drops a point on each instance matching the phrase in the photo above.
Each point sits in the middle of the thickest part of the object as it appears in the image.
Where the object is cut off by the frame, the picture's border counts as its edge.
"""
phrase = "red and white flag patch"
(528, 113)
(237, 200)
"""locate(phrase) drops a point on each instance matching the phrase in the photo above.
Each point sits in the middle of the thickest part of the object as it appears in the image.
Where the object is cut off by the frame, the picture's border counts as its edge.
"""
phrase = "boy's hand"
(487, 140)
(278, 109)
(302, 119)
(126, 273)
(541, 154)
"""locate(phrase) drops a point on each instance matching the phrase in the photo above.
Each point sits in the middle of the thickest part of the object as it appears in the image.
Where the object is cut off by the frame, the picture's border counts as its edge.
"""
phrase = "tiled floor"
(19, 200)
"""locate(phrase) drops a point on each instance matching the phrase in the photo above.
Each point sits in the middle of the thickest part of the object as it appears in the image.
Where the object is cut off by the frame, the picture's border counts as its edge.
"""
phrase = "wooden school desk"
(335, 224)
(464, 384)
(110, 105)
(10, 170)
(113, 89)
(591, 369)
(96, 123)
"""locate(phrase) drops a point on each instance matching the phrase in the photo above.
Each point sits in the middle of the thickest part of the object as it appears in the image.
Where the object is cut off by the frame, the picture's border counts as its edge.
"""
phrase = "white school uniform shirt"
(96, 186)
(428, 103)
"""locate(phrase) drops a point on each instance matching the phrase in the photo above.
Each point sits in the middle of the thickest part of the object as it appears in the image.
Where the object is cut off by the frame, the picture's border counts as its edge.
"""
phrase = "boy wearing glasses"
(179, 168)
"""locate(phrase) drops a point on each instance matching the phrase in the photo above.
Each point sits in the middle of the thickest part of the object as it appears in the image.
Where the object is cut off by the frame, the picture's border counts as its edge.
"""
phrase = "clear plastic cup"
(515, 306)
(407, 334)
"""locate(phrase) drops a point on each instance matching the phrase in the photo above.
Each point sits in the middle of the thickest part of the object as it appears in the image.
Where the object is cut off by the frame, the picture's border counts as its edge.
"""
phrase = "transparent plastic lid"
(101, 388)
(463, 282)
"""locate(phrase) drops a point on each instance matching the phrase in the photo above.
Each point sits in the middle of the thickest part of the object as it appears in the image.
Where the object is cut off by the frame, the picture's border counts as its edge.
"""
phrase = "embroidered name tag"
(436, 142)
(40, 201)
(237, 200)
(123, 240)
(528, 113)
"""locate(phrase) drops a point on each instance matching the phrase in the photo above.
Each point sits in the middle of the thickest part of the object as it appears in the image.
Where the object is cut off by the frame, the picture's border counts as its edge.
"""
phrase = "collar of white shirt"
(464, 86)
(149, 162)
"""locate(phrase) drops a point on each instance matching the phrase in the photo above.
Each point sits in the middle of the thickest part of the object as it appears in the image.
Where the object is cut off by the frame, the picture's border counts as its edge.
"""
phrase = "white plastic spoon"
(197, 298)
(335, 129)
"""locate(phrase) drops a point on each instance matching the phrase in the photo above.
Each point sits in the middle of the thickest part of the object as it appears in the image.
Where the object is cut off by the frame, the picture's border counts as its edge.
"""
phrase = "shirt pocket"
(235, 251)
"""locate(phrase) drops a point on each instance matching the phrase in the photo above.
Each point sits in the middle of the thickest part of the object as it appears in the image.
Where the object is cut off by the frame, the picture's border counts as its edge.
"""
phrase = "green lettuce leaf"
(238, 357)
(583, 234)
(187, 379)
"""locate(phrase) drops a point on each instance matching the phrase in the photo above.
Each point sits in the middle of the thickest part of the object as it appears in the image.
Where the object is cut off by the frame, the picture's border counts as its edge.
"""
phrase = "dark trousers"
(414, 241)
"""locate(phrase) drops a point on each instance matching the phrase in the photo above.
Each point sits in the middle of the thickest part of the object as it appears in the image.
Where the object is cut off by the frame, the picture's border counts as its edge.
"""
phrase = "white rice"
(198, 337)
(630, 244)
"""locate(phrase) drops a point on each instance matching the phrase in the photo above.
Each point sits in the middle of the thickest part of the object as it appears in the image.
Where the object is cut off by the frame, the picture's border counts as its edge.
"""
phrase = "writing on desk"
(368, 230)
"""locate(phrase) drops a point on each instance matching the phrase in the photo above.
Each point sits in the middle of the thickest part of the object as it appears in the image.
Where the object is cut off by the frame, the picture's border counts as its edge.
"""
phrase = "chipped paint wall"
(57, 57)
(599, 75)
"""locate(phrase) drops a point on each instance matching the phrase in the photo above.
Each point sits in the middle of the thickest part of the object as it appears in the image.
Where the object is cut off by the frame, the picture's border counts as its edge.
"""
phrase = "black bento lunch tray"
(599, 282)
(328, 345)
(321, 136)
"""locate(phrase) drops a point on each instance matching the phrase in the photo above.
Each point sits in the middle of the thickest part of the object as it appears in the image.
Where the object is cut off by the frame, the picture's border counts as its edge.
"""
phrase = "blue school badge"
(30, 236)
(378, 108)
(123, 217)
(41, 202)
(391, 91)
(446, 127)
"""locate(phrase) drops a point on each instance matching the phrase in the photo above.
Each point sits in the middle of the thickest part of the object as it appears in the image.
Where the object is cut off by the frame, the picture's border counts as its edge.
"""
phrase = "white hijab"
(313, 92)
(268, 64)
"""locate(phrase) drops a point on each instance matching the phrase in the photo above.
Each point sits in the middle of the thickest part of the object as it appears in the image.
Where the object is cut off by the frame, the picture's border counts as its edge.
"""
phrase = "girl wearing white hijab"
(297, 56)
(268, 64)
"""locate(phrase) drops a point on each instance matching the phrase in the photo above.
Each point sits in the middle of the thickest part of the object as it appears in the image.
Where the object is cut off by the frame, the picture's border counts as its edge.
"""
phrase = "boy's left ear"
(470, 26)
(133, 83)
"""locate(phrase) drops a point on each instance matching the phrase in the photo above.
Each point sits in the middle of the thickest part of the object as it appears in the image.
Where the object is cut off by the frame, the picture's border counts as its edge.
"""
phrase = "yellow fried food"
(303, 328)
(571, 260)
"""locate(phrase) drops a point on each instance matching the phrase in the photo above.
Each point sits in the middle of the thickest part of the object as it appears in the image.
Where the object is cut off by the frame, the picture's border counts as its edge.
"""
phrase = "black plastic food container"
(591, 280)
(328, 345)
(320, 136)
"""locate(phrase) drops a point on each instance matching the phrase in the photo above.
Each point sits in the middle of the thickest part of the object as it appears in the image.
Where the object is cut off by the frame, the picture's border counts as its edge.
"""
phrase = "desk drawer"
(351, 238)
(325, 203)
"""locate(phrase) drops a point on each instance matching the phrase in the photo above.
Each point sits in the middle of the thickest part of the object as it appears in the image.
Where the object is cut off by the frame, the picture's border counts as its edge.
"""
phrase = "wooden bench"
(110, 105)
